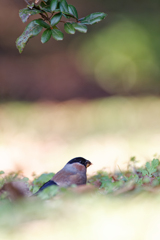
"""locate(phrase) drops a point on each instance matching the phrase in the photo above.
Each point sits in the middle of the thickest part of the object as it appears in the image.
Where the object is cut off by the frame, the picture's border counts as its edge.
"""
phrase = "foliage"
(118, 183)
(39, 181)
(113, 204)
(53, 12)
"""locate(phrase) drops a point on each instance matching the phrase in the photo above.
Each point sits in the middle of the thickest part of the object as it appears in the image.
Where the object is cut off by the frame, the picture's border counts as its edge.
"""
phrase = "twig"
(27, 2)
(44, 17)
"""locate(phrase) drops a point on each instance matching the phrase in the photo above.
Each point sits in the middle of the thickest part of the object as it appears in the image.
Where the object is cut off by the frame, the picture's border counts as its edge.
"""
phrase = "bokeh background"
(94, 95)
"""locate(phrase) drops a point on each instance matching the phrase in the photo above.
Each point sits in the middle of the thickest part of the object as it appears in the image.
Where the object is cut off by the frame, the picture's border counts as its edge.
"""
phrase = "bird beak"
(88, 164)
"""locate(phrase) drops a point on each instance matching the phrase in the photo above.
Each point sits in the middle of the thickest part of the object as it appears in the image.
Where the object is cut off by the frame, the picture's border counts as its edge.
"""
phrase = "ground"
(118, 135)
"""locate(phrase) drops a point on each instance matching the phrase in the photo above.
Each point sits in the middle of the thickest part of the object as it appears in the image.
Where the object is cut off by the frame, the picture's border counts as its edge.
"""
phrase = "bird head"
(80, 160)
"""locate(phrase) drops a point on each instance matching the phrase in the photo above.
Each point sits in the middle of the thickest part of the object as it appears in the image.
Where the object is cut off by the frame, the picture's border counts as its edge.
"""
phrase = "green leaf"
(1, 172)
(140, 181)
(53, 5)
(43, 178)
(63, 5)
(35, 189)
(93, 18)
(25, 179)
(155, 183)
(67, 15)
(155, 162)
(42, 23)
(26, 13)
(48, 192)
(57, 34)
(45, 7)
(152, 167)
(136, 177)
(80, 27)
(57, 10)
(69, 28)
(73, 11)
(133, 159)
(56, 18)
(46, 35)
(33, 29)
(148, 165)
(143, 171)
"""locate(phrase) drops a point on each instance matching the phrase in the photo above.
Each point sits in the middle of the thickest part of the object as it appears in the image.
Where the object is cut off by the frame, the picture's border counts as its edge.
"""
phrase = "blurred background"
(94, 95)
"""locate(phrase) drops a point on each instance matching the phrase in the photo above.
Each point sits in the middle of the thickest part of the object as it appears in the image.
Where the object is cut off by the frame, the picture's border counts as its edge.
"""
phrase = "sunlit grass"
(82, 217)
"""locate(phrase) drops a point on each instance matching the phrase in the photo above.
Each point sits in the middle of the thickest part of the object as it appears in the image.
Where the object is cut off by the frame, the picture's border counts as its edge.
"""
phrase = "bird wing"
(45, 185)
(66, 178)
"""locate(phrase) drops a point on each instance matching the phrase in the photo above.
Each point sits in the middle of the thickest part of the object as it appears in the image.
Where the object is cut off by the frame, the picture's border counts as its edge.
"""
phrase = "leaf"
(45, 177)
(69, 28)
(42, 23)
(73, 11)
(136, 177)
(57, 34)
(80, 27)
(151, 171)
(48, 192)
(26, 13)
(155, 162)
(140, 181)
(56, 18)
(63, 5)
(152, 167)
(143, 171)
(35, 189)
(133, 159)
(25, 179)
(93, 18)
(53, 5)
(45, 7)
(67, 15)
(148, 165)
(32, 29)
(1, 172)
(57, 10)
(46, 35)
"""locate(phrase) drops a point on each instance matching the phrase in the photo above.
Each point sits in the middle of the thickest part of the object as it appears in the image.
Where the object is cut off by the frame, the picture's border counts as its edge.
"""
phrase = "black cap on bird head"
(80, 160)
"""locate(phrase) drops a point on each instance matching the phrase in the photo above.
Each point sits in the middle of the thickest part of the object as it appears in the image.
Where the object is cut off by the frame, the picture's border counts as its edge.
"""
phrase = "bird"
(74, 172)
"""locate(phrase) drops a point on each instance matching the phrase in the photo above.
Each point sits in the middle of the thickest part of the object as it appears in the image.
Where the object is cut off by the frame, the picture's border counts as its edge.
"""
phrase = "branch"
(27, 2)
(44, 17)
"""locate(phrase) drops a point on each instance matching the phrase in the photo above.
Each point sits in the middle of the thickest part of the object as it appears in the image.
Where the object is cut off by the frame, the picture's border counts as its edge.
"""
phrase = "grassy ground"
(86, 217)
(129, 210)
(42, 137)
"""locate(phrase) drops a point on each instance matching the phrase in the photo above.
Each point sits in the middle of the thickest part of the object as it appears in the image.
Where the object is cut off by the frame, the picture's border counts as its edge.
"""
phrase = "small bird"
(74, 172)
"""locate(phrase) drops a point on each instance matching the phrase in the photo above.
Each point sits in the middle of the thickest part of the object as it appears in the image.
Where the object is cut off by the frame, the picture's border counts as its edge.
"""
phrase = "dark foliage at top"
(53, 12)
